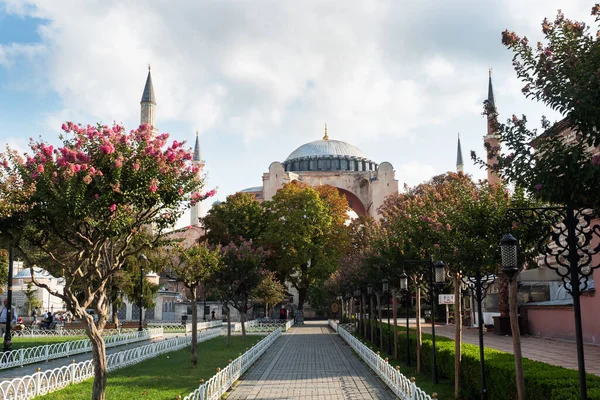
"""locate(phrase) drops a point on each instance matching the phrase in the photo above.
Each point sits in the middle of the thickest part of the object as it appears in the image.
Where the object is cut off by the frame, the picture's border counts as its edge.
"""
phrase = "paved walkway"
(555, 352)
(310, 362)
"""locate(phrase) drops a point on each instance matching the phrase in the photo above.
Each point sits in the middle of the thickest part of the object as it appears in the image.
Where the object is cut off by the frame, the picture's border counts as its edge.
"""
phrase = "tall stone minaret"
(148, 104)
(492, 139)
(459, 160)
(196, 211)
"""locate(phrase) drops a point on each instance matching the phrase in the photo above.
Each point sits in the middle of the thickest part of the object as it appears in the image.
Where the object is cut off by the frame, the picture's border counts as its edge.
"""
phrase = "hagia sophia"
(364, 182)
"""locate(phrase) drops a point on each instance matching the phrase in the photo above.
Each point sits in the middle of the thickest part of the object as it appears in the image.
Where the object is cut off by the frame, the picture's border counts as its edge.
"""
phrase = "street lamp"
(358, 311)
(143, 260)
(437, 276)
(369, 294)
(508, 250)
(567, 235)
(386, 289)
(404, 289)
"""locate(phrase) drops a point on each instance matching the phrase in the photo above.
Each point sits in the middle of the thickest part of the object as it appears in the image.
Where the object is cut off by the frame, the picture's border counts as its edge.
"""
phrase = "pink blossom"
(118, 163)
(136, 166)
(40, 168)
(113, 208)
(107, 148)
(180, 191)
(539, 187)
(96, 195)
(154, 185)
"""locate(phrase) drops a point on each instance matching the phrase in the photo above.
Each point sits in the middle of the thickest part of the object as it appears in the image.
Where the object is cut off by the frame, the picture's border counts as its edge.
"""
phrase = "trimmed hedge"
(542, 381)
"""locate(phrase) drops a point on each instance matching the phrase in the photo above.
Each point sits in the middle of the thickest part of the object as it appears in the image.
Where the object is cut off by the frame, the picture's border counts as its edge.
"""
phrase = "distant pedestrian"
(214, 315)
(34, 315)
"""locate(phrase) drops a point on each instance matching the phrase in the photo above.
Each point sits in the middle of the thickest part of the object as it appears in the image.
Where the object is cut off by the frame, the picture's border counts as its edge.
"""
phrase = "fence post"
(413, 390)
(73, 372)
(37, 379)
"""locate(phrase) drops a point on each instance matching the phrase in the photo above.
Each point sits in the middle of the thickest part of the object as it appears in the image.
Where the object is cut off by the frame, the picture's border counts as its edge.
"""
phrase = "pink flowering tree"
(89, 202)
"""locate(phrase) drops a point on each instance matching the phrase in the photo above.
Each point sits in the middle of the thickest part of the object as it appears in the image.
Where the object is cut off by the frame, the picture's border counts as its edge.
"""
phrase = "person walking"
(4, 314)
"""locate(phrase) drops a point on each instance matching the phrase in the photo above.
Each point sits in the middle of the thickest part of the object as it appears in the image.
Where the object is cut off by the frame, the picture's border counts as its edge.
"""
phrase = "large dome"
(328, 155)
(325, 148)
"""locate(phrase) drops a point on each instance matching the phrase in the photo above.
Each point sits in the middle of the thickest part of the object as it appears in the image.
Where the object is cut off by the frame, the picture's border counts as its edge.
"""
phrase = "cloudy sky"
(257, 79)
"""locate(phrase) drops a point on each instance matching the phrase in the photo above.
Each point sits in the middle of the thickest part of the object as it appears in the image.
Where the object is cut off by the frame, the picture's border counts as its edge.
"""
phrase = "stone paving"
(555, 352)
(310, 362)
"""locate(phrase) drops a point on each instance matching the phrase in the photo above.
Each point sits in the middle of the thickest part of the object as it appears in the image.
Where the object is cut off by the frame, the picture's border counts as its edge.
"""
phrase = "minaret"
(326, 137)
(148, 104)
(492, 139)
(459, 159)
(196, 210)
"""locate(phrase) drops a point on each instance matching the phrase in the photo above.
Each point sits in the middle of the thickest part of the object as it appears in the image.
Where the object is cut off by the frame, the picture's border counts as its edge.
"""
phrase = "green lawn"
(165, 376)
(22, 342)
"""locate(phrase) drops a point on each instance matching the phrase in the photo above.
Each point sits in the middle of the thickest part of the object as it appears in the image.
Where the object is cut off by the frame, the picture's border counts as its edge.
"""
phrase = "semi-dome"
(328, 155)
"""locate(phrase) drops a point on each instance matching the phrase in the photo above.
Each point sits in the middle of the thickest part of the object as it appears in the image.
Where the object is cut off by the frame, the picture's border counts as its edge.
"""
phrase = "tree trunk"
(418, 320)
(243, 322)
(380, 316)
(301, 298)
(342, 308)
(395, 316)
(457, 334)
(371, 324)
(502, 282)
(115, 314)
(228, 313)
(516, 339)
(98, 357)
(194, 330)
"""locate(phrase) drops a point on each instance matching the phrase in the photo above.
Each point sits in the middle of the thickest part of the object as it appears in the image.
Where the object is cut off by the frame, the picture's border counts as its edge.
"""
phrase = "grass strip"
(165, 376)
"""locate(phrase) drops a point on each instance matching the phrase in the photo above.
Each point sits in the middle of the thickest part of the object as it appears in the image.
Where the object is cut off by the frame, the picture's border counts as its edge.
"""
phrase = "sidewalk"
(310, 362)
(555, 352)
(29, 369)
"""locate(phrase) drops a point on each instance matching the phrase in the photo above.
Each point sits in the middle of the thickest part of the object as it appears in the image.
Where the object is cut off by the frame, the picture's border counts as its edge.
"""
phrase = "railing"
(64, 332)
(333, 325)
(41, 383)
(216, 386)
(204, 325)
(289, 324)
(30, 355)
(404, 388)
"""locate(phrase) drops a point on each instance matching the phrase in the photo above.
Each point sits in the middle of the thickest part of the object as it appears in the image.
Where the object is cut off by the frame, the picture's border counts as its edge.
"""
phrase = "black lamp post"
(567, 234)
(404, 289)
(479, 286)
(508, 250)
(358, 311)
(437, 276)
(386, 289)
(143, 260)
(369, 294)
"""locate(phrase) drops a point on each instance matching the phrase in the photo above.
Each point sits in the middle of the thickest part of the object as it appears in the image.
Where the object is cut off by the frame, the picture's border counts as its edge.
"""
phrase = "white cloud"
(11, 53)
(414, 173)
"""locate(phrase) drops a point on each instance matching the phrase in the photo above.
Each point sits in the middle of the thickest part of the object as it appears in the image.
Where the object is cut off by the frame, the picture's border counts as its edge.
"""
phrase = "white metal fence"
(216, 386)
(49, 381)
(64, 332)
(35, 354)
(403, 387)
(204, 325)
(257, 326)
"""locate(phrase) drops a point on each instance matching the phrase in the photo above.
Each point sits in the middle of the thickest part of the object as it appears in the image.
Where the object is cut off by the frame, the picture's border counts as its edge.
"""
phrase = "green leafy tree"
(81, 205)
(269, 291)
(194, 266)
(306, 231)
(242, 272)
(31, 301)
(240, 217)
